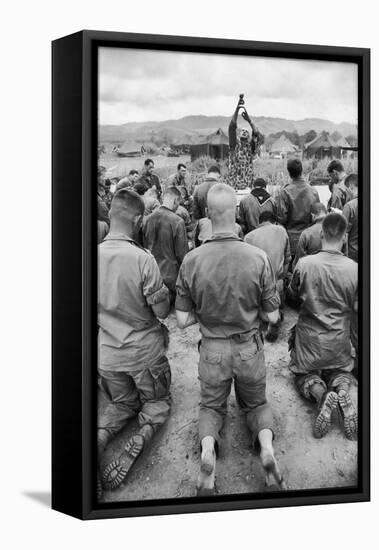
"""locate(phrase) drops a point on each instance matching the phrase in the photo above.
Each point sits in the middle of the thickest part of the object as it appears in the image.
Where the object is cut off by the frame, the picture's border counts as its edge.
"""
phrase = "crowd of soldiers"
(230, 269)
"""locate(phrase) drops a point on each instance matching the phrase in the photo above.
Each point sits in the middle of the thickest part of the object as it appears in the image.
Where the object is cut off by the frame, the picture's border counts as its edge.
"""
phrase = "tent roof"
(216, 138)
(321, 141)
(283, 144)
(340, 142)
(130, 146)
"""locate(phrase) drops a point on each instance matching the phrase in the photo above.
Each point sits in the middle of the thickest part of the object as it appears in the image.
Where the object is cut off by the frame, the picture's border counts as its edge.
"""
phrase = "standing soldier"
(134, 374)
(226, 285)
(243, 149)
(341, 194)
(165, 235)
(295, 203)
(199, 209)
(149, 179)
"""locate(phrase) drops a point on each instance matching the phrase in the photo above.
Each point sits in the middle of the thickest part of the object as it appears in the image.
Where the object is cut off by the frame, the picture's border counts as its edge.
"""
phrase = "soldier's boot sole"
(115, 473)
(323, 420)
(349, 415)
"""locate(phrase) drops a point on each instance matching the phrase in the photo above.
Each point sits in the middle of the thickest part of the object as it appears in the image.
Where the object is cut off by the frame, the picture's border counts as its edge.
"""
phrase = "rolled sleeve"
(183, 300)
(153, 287)
(270, 300)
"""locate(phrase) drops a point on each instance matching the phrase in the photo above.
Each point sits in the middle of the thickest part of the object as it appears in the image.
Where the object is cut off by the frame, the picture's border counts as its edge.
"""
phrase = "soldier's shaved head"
(126, 206)
(221, 198)
(334, 227)
(222, 203)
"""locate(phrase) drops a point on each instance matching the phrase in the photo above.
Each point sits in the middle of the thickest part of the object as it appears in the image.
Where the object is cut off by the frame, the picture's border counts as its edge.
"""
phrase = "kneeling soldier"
(327, 285)
(225, 284)
(134, 373)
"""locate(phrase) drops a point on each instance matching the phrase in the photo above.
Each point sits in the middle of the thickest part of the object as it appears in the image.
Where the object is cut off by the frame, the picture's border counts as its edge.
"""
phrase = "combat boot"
(115, 473)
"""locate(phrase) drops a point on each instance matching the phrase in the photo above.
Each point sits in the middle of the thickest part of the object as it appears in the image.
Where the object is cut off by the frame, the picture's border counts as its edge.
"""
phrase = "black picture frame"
(74, 151)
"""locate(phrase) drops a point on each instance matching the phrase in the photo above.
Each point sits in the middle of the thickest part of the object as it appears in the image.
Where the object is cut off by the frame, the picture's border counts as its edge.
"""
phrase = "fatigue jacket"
(200, 197)
(350, 211)
(250, 209)
(164, 234)
(273, 239)
(294, 208)
(340, 196)
(149, 180)
(327, 284)
(226, 282)
(310, 241)
(129, 283)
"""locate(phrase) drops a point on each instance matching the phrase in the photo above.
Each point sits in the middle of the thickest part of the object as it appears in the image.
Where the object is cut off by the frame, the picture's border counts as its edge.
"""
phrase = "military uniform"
(350, 211)
(273, 239)
(200, 197)
(294, 209)
(183, 213)
(340, 196)
(226, 282)
(252, 206)
(151, 180)
(310, 241)
(164, 234)
(134, 373)
(204, 231)
(327, 284)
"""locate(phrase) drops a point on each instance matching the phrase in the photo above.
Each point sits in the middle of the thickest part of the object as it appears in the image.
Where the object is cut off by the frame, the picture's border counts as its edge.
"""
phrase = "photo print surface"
(227, 217)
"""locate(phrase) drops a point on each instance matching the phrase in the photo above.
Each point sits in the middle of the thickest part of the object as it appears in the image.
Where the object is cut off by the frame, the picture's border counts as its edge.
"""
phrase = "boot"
(349, 414)
(115, 473)
(323, 420)
(103, 438)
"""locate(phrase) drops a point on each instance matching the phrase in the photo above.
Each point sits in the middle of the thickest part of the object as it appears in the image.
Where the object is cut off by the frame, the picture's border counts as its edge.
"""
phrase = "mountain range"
(183, 129)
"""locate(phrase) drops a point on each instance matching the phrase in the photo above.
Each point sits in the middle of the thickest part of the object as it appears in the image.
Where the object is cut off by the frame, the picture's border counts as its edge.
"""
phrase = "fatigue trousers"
(223, 360)
(329, 379)
(145, 392)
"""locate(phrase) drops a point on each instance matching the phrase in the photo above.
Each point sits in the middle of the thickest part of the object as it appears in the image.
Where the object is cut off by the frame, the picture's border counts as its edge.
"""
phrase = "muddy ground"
(170, 466)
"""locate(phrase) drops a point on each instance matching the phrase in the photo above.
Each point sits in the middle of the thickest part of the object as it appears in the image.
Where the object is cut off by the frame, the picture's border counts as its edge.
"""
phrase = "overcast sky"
(144, 85)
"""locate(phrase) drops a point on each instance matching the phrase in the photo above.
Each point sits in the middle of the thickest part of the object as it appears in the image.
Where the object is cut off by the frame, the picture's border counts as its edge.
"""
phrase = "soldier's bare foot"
(273, 478)
(349, 414)
(115, 473)
(206, 479)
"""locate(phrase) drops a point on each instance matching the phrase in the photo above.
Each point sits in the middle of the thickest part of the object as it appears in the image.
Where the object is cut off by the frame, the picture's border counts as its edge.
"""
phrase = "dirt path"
(170, 466)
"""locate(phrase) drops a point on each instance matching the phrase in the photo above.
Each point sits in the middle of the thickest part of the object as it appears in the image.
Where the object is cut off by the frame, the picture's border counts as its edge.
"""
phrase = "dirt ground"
(169, 467)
